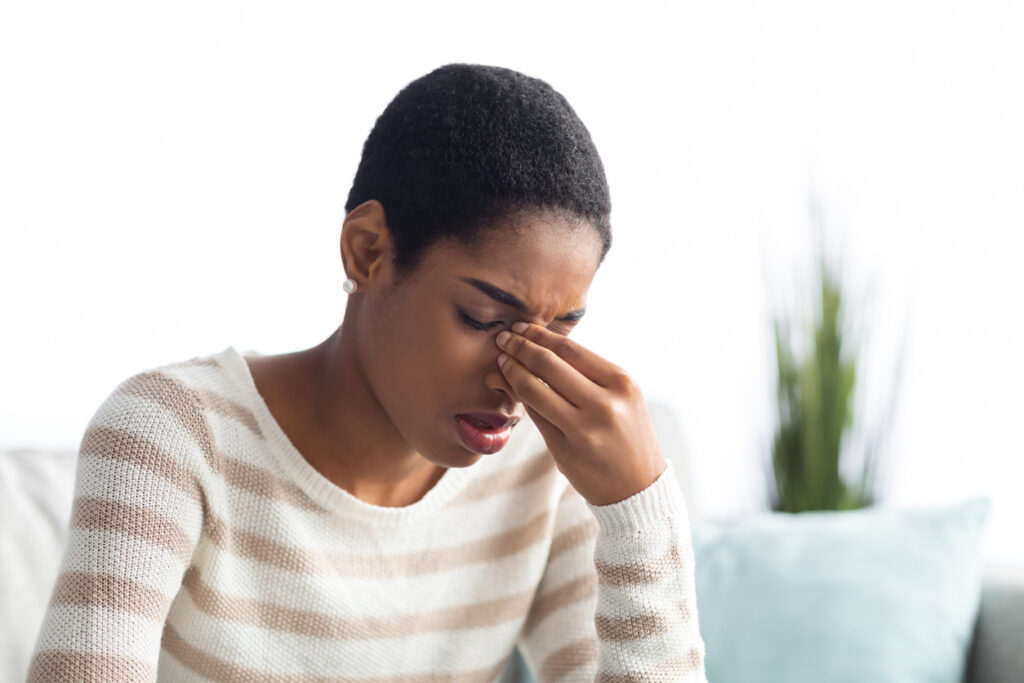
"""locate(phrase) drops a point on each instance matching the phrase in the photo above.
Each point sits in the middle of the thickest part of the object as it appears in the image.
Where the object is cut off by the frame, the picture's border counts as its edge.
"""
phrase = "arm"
(136, 517)
(617, 600)
(594, 421)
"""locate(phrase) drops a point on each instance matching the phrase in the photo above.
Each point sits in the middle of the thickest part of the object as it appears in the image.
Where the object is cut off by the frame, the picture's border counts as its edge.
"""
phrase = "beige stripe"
(94, 513)
(105, 515)
(567, 659)
(575, 591)
(66, 665)
(294, 558)
(573, 537)
(257, 480)
(184, 404)
(641, 626)
(667, 671)
(637, 574)
(506, 480)
(319, 625)
(88, 589)
(694, 660)
(228, 408)
(219, 669)
(178, 400)
(117, 444)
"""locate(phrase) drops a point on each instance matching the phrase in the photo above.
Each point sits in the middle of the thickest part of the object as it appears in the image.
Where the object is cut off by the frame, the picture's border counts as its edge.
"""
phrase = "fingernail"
(519, 327)
(502, 358)
(503, 337)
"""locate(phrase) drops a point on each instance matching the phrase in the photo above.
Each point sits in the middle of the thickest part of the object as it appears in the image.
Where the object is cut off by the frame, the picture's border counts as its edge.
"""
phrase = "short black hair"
(467, 145)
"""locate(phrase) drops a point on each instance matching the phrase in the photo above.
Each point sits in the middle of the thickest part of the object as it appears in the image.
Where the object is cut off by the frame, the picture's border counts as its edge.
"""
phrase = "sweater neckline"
(318, 487)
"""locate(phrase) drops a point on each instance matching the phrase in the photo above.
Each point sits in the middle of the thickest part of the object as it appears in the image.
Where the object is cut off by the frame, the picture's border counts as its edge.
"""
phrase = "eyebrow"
(503, 297)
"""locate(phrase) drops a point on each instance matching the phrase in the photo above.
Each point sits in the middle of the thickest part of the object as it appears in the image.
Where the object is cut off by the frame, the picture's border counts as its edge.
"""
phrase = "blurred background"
(172, 181)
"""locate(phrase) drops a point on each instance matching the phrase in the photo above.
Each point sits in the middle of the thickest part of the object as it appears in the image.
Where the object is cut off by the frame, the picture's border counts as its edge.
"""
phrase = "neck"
(348, 435)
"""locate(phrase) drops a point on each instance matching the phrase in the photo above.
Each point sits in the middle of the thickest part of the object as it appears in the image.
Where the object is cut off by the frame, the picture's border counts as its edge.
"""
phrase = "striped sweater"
(204, 547)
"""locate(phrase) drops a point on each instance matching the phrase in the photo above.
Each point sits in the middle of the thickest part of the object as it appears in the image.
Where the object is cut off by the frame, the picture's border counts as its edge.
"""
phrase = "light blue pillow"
(869, 595)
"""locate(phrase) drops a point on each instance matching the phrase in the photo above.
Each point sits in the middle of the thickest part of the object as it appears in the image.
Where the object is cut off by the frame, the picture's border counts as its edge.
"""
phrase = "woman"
(445, 477)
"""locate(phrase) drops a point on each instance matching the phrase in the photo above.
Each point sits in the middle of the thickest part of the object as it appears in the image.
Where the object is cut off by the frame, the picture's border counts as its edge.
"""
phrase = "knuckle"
(591, 442)
(605, 412)
(623, 381)
(622, 410)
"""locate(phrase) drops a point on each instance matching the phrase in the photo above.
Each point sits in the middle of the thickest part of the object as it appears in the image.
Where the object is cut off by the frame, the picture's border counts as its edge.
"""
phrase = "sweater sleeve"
(617, 601)
(136, 517)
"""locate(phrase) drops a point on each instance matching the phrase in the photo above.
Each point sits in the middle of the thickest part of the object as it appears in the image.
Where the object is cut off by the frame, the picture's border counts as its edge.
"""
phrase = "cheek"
(464, 356)
(433, 357)
(457, 365)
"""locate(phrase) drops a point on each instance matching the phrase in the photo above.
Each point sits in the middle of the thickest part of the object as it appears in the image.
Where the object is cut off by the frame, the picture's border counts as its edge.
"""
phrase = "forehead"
(548, 263)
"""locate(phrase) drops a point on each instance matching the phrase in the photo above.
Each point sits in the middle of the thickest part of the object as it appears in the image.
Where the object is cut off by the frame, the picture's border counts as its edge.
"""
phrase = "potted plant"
(817, 380)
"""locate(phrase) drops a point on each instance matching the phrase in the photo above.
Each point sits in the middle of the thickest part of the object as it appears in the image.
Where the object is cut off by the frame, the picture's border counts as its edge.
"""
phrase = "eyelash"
(476, 324)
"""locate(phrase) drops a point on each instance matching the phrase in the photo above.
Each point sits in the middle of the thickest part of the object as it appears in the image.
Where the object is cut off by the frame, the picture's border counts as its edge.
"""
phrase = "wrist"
(646, 509)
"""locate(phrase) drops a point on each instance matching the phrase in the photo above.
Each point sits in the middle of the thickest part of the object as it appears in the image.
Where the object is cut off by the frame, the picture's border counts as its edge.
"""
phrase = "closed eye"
(476, 324)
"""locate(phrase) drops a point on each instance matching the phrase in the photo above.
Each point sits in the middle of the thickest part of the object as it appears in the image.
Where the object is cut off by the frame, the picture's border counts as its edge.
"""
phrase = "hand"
(589, 411)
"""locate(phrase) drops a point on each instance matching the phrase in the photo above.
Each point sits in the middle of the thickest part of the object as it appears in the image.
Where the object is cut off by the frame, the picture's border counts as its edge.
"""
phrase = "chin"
(459, 456)
(448, 454)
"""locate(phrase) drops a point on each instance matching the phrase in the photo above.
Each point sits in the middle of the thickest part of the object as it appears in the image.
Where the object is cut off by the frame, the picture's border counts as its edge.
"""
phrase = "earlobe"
(365, 242)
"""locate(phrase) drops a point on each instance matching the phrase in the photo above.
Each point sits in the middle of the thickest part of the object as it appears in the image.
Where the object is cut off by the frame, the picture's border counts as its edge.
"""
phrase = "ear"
(366, 245)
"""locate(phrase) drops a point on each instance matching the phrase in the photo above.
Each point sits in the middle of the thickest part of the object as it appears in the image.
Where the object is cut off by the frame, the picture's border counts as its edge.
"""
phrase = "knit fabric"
(204, 547)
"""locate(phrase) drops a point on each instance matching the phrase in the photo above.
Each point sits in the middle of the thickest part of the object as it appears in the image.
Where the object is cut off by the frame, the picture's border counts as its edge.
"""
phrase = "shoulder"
(161, 412)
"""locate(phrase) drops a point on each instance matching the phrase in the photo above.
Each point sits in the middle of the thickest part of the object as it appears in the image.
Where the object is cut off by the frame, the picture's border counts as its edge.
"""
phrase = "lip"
(492, 420)
(484, 433)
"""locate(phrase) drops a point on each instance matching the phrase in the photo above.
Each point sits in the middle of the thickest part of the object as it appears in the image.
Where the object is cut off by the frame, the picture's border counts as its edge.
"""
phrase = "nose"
(496, 381)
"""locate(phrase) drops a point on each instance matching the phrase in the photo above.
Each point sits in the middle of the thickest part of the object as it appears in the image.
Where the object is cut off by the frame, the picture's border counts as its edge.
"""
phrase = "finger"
(592, 366)
(549, 367)
(534, 393)
(546, 428)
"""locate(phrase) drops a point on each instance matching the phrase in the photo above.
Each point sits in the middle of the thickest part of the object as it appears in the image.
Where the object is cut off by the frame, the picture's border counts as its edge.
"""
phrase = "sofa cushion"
(997, 655)
(36, 490)
(868, 595)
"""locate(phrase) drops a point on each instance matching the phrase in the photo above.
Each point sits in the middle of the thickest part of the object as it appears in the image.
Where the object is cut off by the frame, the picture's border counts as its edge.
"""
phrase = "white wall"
(172, 181)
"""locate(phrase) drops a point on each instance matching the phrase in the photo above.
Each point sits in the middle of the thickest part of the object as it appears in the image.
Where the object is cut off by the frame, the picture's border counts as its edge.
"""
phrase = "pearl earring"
(349, 285)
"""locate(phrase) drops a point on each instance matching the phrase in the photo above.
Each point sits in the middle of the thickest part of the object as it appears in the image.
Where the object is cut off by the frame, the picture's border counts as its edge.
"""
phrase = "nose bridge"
(543, 312)
(545, 305)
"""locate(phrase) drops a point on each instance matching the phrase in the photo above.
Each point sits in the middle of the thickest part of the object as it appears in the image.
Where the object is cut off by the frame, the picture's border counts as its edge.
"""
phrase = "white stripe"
(139, 415)
(170, 669)
(275, 652)
(354, 596)
(148, 490)
(100, 631)
(124, 557)
(467, 523)
(198, 376)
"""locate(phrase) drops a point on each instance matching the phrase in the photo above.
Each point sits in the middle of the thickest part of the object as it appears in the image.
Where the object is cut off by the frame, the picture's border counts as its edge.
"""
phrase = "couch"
(35, 504)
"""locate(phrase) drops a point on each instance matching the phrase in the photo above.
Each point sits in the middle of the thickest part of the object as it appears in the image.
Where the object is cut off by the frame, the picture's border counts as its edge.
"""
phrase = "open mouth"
(498, 422)
(484, 432)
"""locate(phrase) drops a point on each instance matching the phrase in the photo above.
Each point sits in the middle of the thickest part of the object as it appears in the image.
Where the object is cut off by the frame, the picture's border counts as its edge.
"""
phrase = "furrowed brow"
(503, 297)
(499, 295)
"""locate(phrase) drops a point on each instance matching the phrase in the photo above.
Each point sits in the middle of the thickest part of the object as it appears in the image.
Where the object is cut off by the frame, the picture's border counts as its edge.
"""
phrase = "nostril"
(495, 380)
